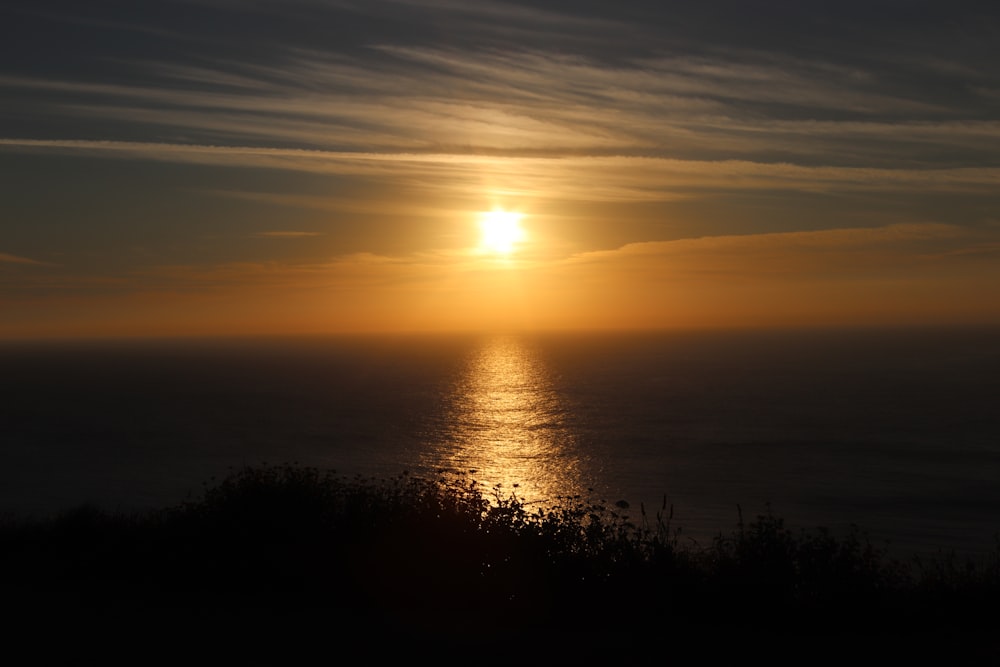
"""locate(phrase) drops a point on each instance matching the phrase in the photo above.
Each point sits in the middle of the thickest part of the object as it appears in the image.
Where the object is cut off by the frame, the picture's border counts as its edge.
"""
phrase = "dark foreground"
(437, 563)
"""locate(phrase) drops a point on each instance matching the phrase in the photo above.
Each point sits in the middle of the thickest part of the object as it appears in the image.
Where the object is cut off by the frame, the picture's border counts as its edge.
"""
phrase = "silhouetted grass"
(417, 554)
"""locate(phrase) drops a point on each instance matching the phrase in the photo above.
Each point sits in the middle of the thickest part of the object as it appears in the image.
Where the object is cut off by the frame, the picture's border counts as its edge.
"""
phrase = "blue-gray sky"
(214, 166)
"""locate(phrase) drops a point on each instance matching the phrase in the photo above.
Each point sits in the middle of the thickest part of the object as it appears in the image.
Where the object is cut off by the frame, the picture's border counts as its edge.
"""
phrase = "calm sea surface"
(896, 431)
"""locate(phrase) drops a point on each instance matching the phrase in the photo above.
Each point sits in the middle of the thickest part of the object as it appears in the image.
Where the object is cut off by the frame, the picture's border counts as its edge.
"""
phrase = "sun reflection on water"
(507, 424)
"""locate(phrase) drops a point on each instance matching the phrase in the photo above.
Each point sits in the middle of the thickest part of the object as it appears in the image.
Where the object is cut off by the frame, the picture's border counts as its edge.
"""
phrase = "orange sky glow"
(325, 186)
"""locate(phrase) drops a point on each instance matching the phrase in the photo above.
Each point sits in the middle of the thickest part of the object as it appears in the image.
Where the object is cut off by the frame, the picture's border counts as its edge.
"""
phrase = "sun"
(501, 231)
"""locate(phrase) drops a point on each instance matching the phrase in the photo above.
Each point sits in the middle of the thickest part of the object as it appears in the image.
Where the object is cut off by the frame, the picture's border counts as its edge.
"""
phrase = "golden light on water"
(506, 424)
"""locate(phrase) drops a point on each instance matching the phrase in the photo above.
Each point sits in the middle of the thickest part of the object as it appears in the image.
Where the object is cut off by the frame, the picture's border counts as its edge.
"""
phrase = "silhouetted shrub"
(417, 553)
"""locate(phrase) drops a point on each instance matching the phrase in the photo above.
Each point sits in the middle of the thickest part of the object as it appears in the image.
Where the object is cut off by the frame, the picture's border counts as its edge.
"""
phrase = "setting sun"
(501, 230)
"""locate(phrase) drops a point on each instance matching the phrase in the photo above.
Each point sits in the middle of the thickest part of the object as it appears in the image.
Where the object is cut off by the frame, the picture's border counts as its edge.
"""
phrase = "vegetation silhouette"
(417, 555)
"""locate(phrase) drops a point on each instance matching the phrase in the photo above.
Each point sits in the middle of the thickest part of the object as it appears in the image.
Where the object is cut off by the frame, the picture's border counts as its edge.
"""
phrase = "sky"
(225, 167)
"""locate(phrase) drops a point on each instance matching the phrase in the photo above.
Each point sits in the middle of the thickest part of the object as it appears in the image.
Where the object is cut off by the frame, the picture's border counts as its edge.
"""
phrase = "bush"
(415, 553)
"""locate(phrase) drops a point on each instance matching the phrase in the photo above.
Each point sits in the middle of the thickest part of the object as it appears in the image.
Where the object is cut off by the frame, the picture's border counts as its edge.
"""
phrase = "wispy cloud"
(743, 104)
(914, 273)
(7, 258)
(582, 178)
(287, 234)
(797, 255)
(841, 253)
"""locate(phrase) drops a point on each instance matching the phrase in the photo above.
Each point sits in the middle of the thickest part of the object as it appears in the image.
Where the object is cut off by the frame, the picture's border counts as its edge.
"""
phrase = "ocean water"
(897, 432)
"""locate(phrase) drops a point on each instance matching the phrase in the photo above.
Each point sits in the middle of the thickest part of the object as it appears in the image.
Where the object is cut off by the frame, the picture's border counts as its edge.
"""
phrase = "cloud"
(840, 255)
(399, 92)
(582, 178)
(833, 252)
(7, 258)
(287, 234)
(908, 273)
(898, 274)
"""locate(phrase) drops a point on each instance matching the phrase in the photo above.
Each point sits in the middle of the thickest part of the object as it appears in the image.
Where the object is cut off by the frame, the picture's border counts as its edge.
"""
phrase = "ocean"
(895, 431)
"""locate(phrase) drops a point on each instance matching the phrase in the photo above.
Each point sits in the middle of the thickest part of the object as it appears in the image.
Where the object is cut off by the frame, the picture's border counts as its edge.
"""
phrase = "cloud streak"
(7, 258)
(737, 103)
(915, 273)
(601, 178)
(287, 235)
